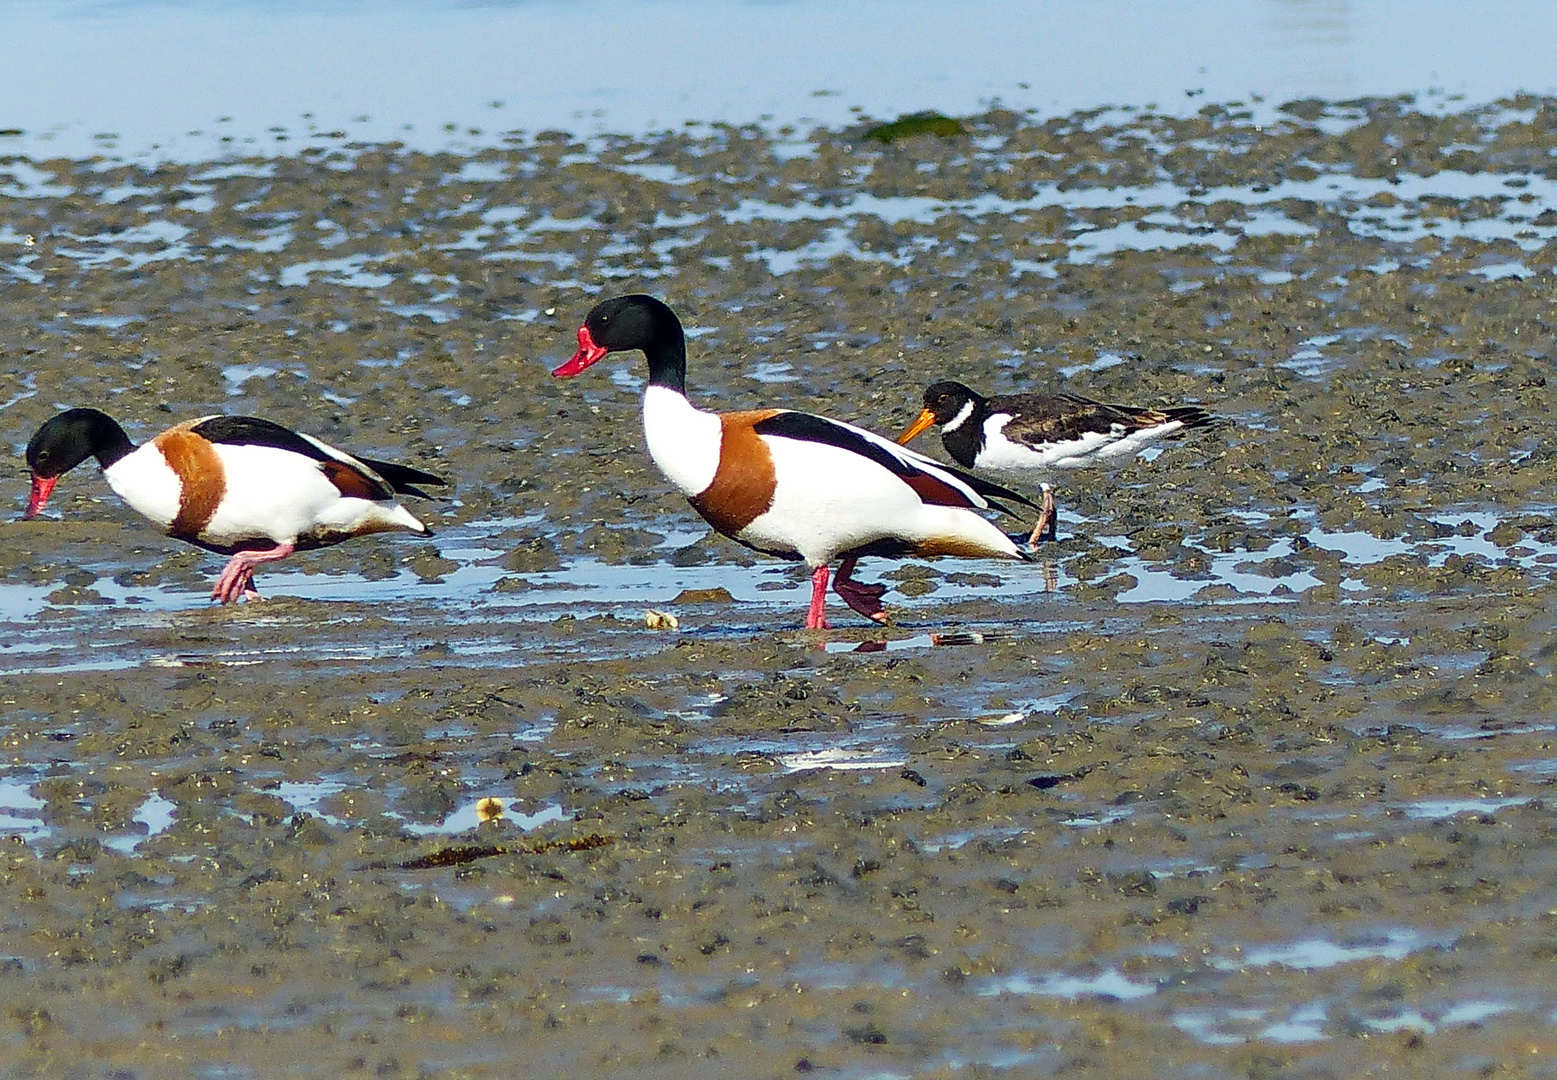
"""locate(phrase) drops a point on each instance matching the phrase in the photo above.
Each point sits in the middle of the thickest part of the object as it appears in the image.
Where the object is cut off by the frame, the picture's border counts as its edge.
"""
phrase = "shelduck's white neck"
(683, 440)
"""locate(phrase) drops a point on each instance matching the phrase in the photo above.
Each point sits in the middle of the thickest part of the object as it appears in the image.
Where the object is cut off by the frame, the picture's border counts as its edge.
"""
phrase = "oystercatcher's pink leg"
(814, 618)
(237, 577)
(859, 595)
(1048, 526)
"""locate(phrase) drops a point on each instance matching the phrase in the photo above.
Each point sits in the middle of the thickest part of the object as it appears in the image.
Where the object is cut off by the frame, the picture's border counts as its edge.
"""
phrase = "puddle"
(473, 813)
(1433, 809)
(479, 594)
(1311, 954)
(1237, 570)
(1268, 574)
(1466, 1012)
(1233, 1027)
(305, 796)
(19, 809)
(1105, 984)
(949, 639)
(1305, 1024)
(156, 814)
(1093, 821)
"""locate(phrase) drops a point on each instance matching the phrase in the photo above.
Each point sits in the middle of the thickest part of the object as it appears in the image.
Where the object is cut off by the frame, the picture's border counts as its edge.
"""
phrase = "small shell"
(489, 809)
(660, 620)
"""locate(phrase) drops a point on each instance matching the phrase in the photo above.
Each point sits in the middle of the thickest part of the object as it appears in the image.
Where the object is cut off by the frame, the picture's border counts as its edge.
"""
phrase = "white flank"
(1137, 441)
(144, 480)
(830, 500)
(282, 495)
(1001, 455)
(683, 439)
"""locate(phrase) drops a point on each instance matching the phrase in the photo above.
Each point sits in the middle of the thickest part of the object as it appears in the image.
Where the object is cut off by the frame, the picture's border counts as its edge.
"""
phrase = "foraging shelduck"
(235, 485)
(789, 483)
(1028, 436)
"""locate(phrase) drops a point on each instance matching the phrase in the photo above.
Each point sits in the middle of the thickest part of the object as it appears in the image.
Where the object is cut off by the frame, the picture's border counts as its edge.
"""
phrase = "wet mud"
(1246, 778)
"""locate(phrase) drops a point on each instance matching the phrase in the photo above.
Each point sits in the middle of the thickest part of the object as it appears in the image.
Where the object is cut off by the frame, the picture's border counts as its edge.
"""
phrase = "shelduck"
(1027, 437)
(789, 483)
(235, 485)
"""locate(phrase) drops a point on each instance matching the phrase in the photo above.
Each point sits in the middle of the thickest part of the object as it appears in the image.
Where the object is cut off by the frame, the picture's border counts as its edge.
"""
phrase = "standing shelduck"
(235, 485)
(1029, 436)
(788, 483)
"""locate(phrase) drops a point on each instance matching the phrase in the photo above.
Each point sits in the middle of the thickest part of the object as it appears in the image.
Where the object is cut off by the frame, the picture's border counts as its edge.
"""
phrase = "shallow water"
(1244, 776)
(171, 79)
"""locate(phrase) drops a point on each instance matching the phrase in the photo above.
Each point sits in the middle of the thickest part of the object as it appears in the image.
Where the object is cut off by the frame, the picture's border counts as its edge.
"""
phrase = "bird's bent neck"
(963, 436)
(668, 362)
(110, 444)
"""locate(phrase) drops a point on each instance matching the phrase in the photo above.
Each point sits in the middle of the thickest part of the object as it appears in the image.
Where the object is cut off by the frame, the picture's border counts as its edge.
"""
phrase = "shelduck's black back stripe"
(389, 480)
(252, 431)
(810, 428)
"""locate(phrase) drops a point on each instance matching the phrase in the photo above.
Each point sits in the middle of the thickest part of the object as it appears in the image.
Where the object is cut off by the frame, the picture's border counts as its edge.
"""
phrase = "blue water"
(191, 80)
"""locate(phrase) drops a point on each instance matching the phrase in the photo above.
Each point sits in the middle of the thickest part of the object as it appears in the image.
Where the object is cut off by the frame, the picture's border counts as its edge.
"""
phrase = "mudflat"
(1245, 777)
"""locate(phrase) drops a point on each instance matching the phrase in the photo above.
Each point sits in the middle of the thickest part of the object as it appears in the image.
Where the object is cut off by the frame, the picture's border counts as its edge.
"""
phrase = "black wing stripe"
(1142, 416)
(1191, 416)
(252, 431)
(809, 428)
(991, 492)
(403, 478)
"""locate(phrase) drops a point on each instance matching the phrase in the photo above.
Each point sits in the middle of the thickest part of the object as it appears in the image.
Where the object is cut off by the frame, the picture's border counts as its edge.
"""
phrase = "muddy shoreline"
(1247, 778)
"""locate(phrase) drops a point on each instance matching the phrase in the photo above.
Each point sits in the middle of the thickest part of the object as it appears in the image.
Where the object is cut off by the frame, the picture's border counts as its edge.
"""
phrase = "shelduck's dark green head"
(64, 442)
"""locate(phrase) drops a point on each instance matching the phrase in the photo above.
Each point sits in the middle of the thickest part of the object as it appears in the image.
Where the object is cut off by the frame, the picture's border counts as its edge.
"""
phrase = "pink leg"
(237, 577)
(247, 589)
(862, 597)
(814, 618)
(1048, 519)
(242, 586)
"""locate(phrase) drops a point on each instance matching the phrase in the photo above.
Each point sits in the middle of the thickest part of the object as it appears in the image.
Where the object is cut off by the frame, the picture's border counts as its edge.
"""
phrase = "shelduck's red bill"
(922, 421)
(42, 488)
(588, 353)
